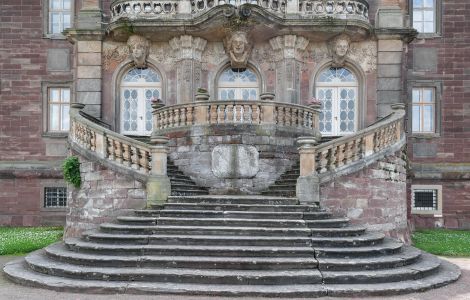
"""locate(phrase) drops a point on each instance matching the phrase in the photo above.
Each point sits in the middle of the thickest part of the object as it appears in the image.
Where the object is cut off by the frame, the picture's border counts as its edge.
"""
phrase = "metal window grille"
(425, 199)
(55, 197)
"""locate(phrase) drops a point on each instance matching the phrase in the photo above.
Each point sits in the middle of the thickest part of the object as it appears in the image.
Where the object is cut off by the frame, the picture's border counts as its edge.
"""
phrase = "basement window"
(426, 199)
(55, 197)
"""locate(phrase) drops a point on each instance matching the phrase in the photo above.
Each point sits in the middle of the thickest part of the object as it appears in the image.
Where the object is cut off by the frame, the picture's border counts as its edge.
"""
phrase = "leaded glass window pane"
(238, 84)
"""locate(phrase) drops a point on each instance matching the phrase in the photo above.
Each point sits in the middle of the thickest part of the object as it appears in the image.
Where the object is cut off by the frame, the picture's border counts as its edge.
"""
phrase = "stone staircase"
(285, 184)
(181, 184)
(233, 246)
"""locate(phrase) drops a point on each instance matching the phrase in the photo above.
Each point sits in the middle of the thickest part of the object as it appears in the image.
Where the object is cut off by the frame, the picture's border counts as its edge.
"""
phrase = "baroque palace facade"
(297, 68)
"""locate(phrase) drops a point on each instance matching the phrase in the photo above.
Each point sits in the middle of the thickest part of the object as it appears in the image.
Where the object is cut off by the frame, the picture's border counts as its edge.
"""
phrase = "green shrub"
(71, 170)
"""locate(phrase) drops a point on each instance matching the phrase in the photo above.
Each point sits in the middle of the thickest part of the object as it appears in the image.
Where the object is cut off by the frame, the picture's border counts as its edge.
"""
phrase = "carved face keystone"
(342, 47)
(139, 50)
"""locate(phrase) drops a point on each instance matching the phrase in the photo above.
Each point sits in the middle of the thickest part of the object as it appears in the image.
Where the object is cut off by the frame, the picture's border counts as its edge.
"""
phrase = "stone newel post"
(158, 184)
(308, 184)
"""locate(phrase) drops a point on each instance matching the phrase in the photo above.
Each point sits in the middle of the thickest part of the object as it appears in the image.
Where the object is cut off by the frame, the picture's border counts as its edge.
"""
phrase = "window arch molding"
(361, 87)
(121, 70)
(226, 65)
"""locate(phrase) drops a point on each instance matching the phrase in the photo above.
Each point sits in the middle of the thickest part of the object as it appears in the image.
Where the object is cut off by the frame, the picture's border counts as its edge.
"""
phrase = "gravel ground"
(8, 290)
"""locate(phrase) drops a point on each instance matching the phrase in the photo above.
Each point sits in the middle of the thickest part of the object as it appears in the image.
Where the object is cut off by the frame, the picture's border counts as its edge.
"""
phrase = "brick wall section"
(372, 196)
(452, 146)
(103, 196)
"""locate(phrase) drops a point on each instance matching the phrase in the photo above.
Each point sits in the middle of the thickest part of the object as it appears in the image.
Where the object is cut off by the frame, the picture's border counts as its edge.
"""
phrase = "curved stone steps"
(191, 213)
(38, 262)
(427, 265)
(187, 250)
(338, 232)
(237, 207)
(61, 253)
(367, 239)
(137, 220)
(213, 199)
(407, 256)
(388, 246)
(161, 239)
(282, 223)
(18, 272)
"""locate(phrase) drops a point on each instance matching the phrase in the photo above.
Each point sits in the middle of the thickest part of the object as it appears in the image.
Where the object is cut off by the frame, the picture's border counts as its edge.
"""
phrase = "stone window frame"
(45, 86)
(45, 20)
(436, 212)
(361, 87)
(225, 66)
(52, 183)
(437, 19)
(437, 86)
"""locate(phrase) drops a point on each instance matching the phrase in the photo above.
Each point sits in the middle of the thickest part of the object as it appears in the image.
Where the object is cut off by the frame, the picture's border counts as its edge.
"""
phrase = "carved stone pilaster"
(188, 51)
(289, 50)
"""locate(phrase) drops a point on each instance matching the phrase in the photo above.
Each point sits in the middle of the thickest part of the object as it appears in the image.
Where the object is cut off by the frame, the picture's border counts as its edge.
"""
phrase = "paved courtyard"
(8, 290)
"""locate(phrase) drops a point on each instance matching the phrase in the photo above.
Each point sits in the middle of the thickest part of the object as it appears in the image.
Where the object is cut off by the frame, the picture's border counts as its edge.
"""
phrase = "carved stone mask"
(339, 48)
(139, 50)
(238, 49)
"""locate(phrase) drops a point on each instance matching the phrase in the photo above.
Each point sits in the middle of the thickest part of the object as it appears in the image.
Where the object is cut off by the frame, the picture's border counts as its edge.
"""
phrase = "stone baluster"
(183, 118)
(221, 114)
(323, 160)
(340, 155)
(349, 151)
(126, 154)
(213, 114)
(110, 145)
(255, 116)
(229, 118)
(144, 161)
(238, 113)
(134, 158)
(247, 116)
(117, 151)
(190, 116)
(308, 184)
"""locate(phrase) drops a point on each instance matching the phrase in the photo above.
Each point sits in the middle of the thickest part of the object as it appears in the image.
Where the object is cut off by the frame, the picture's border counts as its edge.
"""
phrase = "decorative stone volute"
(238, 48)
(139, 50)
(289, 46)
(339, 48)
(188, 47)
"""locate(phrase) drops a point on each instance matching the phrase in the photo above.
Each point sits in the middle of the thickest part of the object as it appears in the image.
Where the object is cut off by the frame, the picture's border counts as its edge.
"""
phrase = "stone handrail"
(330, 156)
(156, 9)
(235, 112)
(115, 148)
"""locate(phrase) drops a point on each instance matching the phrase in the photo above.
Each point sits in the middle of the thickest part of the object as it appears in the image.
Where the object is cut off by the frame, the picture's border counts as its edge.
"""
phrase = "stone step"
(204, 230)
(220, 199)
(386, 248)
(282, 187)
(328, 223)
(186, 193)
(188, 250)
(181, 181)
(179, 221)
(162, 239)
(368, 239)
(60, 252)
(238, 207)
(138, 220)
(286, 181)
(279, 193)
(427, 265)
(39, 262)
(234, 214)
(407, 256)
(19, 273)
(186, 187)
(338, 232)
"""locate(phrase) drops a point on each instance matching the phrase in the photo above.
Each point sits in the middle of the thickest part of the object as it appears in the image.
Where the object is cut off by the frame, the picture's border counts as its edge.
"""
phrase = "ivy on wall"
(71, 171)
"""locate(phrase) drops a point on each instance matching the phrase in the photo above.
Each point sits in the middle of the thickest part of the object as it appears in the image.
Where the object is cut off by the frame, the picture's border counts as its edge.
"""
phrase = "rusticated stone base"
(373, 196)
(104, 194)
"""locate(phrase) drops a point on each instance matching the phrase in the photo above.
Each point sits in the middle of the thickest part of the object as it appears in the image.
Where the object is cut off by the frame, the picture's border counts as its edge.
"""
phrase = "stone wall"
(192, 151)
(104, 195)
(443, 158)
(373, 196)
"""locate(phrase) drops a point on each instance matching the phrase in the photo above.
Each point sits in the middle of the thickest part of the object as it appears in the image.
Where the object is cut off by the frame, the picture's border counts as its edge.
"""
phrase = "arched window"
(238, 84)
(337, 89)
(138, 88)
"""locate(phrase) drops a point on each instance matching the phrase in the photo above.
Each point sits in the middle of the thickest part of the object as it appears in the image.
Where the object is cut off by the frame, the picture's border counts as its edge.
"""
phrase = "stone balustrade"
(155, 9)
(235, 112)
(330, 156)
(117, 149)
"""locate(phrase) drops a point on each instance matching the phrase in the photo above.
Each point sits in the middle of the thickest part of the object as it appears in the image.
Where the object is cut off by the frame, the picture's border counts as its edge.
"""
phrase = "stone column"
(389, 59)
(308, 183)
(188, 50)
(289, 50)
(158, 183)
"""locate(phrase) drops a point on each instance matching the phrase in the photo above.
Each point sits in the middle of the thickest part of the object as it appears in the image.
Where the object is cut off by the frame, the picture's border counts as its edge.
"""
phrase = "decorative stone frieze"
(188, 51)
(238, 49)
(289, 53)
(339, 48)
(139, 50)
